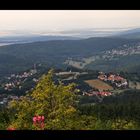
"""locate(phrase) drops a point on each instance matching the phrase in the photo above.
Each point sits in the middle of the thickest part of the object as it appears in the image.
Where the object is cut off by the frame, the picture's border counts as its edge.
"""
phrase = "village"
(16, 80)
(114, 79)
(101, 86)
(123, 51)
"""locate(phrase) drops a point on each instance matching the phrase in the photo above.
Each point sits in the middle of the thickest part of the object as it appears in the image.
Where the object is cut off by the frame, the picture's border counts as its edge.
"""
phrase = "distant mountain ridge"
(130, 34)
(54, 53)
(35, 38)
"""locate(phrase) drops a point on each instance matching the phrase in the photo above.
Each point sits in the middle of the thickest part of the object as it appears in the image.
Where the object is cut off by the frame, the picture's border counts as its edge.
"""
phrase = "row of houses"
(113, 78)
(99, 93)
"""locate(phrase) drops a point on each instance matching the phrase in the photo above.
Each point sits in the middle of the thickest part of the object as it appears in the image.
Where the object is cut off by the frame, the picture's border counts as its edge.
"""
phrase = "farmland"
(98, 84)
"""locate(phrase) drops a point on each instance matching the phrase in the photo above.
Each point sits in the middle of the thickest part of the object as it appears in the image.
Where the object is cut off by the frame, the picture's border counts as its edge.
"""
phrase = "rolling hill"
(54, 53)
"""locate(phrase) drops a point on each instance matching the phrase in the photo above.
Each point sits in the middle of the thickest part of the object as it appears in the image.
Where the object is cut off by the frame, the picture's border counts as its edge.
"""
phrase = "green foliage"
(4, 118)
(60, 106)
(55, 102)
(124, 125)
(119, 112)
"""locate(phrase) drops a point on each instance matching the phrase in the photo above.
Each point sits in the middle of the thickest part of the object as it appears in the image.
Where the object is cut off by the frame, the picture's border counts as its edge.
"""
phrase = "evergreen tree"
(55, 102)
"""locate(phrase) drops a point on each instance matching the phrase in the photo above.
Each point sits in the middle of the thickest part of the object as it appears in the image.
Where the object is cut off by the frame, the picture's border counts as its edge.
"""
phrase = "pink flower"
(43, 118)
(34, 119)
(42, 125)
(39, 118)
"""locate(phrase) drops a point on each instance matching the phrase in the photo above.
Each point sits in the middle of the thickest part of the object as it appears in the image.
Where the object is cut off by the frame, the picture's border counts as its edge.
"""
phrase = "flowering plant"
(38, 121)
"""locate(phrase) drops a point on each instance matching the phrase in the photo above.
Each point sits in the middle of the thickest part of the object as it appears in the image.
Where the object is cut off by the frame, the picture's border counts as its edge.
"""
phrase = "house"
(118, 78)
(111, 77)
(102, 77)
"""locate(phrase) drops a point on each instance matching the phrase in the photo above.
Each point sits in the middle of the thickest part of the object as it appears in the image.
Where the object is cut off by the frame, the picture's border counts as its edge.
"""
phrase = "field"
(98, 84)
(134, 85)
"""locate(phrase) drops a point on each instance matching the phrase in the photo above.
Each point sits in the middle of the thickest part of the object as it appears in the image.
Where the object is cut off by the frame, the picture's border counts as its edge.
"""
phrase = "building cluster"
(124, 51)
(114, 79)
(16, 80)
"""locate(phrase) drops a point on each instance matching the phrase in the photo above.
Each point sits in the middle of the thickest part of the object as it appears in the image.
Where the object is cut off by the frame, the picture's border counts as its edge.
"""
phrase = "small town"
(123, 51)
(108, 78)
(16, 80)
(100, 86)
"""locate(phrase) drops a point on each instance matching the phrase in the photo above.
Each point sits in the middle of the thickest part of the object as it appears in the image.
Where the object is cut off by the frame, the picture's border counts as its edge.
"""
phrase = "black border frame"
(69, 5)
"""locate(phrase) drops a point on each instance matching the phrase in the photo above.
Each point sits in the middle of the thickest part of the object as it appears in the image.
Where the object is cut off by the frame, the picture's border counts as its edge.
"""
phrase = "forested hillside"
(17, 57)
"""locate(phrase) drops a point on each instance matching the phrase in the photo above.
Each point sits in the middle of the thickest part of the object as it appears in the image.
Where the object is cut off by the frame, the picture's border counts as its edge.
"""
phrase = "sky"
(61, 20)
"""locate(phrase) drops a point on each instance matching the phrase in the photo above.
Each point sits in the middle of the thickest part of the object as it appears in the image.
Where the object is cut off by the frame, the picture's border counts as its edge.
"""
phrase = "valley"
(21, 65)
(98, 53)
(91, 83)
(102, 73)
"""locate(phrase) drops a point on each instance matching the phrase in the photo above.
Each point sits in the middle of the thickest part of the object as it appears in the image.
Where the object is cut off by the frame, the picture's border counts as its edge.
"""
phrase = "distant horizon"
(70, 32)
(54, 21)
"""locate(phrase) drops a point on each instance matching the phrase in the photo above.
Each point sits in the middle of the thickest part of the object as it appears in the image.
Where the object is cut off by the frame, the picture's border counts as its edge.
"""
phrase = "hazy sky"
(67, 19)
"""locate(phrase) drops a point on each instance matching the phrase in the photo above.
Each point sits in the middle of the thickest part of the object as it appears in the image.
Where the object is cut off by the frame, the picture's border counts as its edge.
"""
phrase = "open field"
(98, 84)
(134, 85)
